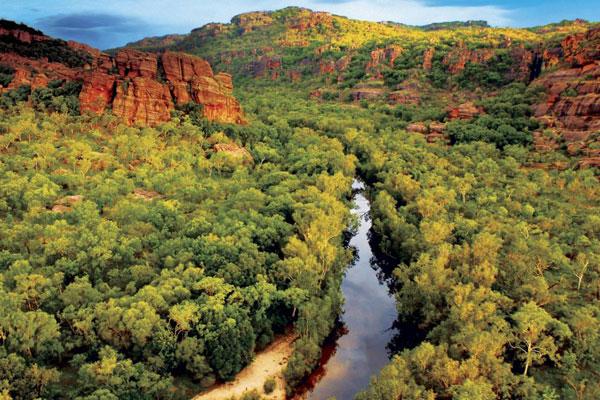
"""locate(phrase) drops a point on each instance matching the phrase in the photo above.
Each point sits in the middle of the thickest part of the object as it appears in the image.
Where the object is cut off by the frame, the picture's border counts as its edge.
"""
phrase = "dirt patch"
(268, 363)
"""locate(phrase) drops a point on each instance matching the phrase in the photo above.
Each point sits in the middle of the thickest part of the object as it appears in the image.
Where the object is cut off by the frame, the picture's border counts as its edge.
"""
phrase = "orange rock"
(130, 81)
(309, 19)
(23, 35)
(428, 59)
(134, 63)
(464, 111)
(326, 67)
(572, 104)
(184, 67)
(226, 81)
(214, 95)
(84, 47)
(577, 54)
(97, 92)
(142, 100)
(457, 59)
(417, 127)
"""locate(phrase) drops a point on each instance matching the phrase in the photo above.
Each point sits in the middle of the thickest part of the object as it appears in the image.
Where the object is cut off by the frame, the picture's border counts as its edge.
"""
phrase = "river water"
(359, 350)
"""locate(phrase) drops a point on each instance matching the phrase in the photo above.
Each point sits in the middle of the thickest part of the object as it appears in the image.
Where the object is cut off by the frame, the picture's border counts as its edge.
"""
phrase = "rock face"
(142, 100)
(138, 95)
(572, 105)
(267, 67)
(457, 59)
(97, 92)
(141, 88)
(307, 20)
(428, 59)
(434, 132)
(382, 57)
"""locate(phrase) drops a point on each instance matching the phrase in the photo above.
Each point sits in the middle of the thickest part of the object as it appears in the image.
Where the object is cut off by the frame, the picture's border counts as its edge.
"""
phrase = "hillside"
(444, 66)
(139, 87)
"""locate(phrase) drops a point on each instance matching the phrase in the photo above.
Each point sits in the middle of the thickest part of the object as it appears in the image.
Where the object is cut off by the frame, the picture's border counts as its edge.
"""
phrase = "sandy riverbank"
(268, 363)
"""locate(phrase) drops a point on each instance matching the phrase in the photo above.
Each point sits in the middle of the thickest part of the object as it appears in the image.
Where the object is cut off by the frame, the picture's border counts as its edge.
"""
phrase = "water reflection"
(358, 348)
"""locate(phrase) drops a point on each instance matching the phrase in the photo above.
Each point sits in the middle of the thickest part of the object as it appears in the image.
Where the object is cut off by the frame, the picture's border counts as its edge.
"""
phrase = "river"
(358, 351)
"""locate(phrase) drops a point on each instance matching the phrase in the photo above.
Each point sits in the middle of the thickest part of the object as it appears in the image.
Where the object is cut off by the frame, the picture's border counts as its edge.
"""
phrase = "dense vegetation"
(130, 257)
(498, 264)
(149, 263)
(507, 119)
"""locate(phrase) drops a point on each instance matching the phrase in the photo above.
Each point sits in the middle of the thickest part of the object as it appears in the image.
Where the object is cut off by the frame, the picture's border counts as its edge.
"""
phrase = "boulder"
(465, 111)
(417, 127)
(146, 195)
(234, 150)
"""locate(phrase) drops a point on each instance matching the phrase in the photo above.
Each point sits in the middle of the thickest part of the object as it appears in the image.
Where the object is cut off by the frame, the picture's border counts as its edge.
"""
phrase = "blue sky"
(111, 23)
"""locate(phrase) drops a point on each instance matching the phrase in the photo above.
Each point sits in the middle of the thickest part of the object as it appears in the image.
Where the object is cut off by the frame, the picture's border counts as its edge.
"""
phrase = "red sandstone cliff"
(141, 88)
(572, 105)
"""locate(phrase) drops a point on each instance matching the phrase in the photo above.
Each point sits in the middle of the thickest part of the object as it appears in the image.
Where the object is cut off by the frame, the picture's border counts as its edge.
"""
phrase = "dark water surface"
(359, 349)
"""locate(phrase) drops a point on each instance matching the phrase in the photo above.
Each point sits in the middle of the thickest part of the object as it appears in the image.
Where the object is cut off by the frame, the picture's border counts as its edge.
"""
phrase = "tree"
(537, 335)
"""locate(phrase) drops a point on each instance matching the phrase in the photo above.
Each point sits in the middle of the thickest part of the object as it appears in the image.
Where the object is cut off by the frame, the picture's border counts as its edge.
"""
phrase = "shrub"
(252, 395)
(269, 385)
(6, 75)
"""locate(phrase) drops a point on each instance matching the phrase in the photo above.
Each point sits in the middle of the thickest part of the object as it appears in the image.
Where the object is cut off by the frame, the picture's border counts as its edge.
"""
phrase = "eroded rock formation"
(572, 105)
(140, 87)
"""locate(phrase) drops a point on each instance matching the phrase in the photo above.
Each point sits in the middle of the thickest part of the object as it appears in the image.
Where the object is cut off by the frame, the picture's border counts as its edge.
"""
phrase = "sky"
(111, 23)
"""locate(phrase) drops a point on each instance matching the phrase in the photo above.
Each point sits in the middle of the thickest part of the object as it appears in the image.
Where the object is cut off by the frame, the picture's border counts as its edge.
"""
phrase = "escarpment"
(146, 88)
(571, 106)
(139, 87)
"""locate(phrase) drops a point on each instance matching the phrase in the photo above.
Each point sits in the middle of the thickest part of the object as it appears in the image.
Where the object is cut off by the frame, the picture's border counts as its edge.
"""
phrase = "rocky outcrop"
(326, 67)
(457, 59)
(142, 100)
(249, 22)
(307, 19)
(36, 72)
(366, 92)
(184, 67)
(146, 195)
(97, 92)
(382, 57)
(583, 48)
(464, 111)
(22, 33)
(139, 87)
(234, 151)
(434, 131)
(67, 203)
(147, 87)
(134, 63)
(572, 104)
(139, 96)
(428, 59)
(267, 66)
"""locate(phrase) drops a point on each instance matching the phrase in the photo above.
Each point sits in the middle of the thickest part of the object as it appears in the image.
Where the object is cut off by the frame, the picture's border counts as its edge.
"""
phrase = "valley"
(297, 204)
